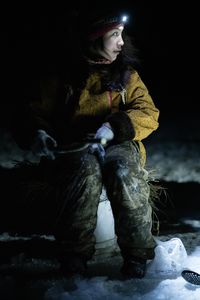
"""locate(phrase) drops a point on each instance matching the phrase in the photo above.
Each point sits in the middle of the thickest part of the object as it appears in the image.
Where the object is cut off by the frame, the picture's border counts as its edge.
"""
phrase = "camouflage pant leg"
(79, 193)
(59, 197)
(128, 191)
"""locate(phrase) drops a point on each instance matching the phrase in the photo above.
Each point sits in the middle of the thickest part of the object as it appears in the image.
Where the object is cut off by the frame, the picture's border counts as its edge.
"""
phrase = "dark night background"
(165, 32)
(33, 38)
(166, 36)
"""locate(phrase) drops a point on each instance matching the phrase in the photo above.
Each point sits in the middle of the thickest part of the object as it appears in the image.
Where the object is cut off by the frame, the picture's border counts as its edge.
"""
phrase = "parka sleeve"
(139, 117)
(32, 113)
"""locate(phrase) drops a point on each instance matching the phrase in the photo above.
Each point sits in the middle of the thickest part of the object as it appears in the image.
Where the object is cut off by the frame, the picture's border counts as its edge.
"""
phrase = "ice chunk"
(170, 258)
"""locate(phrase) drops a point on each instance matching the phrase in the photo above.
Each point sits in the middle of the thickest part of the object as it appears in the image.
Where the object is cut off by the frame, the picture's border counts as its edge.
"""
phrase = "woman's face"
(112, 43)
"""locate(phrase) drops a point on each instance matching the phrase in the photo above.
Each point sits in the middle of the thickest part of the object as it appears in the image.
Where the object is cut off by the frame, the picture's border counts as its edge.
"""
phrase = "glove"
(104, 133)
(43, 145)
(99, 150)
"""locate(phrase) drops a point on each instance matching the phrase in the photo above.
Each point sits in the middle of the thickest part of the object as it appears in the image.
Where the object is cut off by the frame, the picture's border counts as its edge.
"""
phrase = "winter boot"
(134, 267)
(73, 265)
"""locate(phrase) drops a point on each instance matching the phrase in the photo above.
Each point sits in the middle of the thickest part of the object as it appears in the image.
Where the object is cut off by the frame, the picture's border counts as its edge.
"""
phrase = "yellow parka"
(94, 106)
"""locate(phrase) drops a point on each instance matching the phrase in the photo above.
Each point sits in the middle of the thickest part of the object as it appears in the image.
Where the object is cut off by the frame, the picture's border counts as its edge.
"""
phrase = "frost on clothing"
(129, 192)
(63, 195)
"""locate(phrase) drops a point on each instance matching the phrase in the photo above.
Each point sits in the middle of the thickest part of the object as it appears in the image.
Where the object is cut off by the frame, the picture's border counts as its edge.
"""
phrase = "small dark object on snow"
(134, 268)
(73, 265)
(191, 277)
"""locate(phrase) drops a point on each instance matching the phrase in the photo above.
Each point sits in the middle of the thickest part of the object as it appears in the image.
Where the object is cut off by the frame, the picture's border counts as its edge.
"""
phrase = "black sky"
(165, 32)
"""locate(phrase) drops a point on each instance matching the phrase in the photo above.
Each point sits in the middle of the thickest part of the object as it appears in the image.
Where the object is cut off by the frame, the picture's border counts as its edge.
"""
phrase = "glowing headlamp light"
(109, 20)
(124, 19)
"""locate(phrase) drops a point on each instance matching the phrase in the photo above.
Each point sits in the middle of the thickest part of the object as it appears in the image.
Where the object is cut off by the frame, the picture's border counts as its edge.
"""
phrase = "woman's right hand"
(44, 144)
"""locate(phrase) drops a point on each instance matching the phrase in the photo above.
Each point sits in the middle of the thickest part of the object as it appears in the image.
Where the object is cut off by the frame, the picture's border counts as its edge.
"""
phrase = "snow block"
(170, 258)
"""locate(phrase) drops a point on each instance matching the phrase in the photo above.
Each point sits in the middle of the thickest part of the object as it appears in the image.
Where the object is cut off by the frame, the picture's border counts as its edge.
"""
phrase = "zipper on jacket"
(123, 95)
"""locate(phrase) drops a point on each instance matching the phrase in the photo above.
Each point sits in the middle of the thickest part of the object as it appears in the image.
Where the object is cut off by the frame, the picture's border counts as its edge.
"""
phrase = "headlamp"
(124, 19)
(100, 27)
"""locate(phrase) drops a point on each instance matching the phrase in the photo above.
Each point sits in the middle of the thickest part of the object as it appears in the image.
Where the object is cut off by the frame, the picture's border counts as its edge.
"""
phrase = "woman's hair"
(80, 48)
(114, 76)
